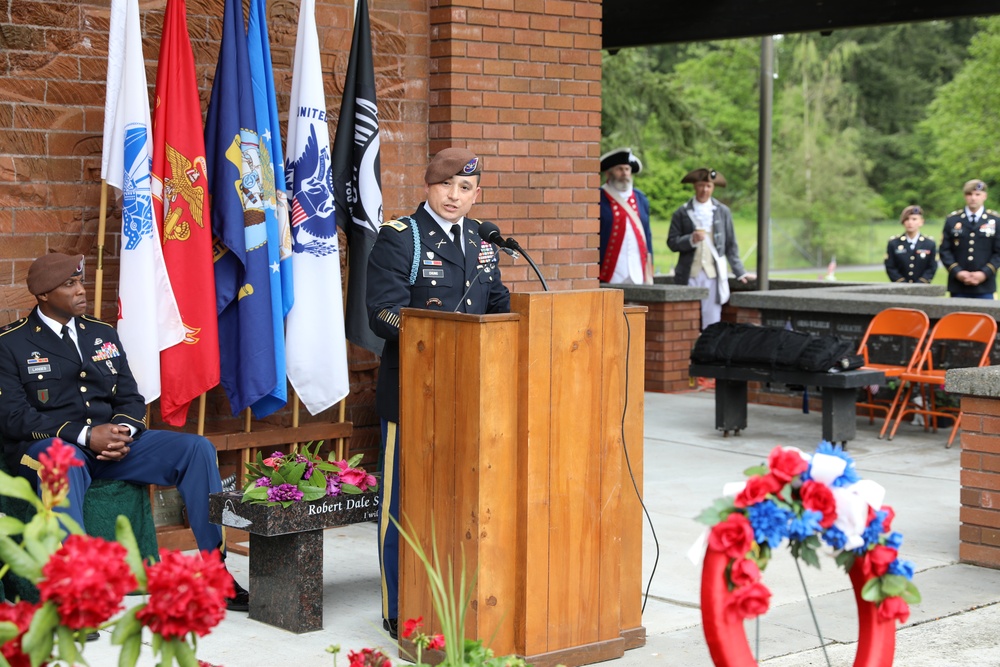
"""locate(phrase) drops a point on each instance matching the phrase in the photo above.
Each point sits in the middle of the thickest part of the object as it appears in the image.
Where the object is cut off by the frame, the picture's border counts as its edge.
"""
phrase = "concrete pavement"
(686, 464)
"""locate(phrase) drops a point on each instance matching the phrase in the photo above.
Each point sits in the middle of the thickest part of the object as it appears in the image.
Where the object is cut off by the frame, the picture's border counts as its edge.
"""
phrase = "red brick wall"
(671, 329)
(979, 532)
(516, 80)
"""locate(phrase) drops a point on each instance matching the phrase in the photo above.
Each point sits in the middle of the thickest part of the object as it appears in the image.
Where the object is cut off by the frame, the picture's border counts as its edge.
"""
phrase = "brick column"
(979, 531)
(519, 83)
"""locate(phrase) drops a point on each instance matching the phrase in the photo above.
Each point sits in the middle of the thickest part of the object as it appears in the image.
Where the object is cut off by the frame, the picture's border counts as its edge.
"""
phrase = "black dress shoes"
(93, 636)
(240, 601)
(391, 625)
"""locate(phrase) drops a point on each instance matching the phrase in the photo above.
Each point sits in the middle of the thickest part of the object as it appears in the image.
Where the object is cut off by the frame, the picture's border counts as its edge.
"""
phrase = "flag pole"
(201, 413)
(101, 228)
(341, 413)
(295, 416)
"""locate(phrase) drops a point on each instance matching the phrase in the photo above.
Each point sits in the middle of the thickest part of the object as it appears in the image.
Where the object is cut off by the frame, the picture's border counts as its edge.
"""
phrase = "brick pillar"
(671, 330)
(519, 83)
(979, 531)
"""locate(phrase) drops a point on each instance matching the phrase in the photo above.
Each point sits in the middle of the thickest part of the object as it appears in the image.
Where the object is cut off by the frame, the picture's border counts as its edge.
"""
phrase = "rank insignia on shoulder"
(395, 224)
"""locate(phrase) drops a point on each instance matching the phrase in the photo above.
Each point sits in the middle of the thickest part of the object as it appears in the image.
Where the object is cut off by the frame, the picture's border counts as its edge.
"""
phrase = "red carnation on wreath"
(186, 594)
(86, 579)
(19, 614)
(368, 657)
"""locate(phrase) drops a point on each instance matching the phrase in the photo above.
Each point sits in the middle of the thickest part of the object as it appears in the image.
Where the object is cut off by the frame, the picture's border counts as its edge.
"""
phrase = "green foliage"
(718, 511)
(962, 122)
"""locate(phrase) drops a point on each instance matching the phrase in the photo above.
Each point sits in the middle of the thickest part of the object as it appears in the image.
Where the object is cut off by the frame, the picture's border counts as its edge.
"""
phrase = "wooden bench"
(839, 395)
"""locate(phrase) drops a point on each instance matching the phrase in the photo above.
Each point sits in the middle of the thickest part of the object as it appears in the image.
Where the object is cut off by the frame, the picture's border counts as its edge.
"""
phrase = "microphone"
(491, 233)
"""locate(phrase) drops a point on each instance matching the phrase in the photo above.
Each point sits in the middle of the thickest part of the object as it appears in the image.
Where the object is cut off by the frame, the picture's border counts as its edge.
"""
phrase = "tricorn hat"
(621, 156)
(50, 271)
(705, 174)
(452, 162)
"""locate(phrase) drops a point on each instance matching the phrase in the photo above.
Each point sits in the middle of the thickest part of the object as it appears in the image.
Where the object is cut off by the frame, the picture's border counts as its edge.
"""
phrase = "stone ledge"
(659, 293)
(228, 509)
(984, 382)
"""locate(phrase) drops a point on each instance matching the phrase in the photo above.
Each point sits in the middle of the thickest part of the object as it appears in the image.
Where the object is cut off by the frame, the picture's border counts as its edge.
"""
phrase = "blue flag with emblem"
(279, 257)
(242, 280)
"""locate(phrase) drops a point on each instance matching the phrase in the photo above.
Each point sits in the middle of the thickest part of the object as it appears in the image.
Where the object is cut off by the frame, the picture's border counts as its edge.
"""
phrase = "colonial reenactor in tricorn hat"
(433, 259)
(702, 232)
(911, 257)
(626, 239)
(970, 248)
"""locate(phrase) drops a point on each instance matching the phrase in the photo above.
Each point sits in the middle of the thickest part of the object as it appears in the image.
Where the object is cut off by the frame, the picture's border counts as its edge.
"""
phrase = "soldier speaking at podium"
(434, 259)
(65, 375)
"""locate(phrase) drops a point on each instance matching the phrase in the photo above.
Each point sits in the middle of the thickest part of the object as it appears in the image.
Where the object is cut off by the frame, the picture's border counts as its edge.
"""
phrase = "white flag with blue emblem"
(148, 318)
(316, 346)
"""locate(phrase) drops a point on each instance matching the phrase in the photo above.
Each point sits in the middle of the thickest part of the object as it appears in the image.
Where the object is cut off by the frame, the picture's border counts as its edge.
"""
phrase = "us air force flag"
(148, 319)
(357, 179)
(316, 345)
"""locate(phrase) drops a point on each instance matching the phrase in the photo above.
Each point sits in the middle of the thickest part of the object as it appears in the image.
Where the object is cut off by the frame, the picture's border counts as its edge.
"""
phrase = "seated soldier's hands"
(110, 442)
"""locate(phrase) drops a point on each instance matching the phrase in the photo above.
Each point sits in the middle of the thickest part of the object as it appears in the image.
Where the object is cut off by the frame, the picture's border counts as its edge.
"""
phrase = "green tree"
(963, 124)
(819, 169)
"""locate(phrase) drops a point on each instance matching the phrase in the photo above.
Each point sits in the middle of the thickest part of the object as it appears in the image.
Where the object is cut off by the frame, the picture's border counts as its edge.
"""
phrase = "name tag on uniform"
(42, 368)
(432, 273)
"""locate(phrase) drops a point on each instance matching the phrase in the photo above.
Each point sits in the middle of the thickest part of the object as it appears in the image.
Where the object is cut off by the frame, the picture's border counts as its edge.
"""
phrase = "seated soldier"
(65, 375)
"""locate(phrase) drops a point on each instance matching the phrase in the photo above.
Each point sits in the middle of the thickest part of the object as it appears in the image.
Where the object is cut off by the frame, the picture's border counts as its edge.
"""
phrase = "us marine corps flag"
(316, 346)
(357, 178)
(148, 319)
(180, 209)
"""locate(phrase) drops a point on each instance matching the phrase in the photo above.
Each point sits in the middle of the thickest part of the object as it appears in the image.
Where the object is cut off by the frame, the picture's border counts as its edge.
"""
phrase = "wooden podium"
(513, 439)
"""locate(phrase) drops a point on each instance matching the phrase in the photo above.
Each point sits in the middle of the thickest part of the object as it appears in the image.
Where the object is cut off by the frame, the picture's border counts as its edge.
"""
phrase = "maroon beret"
(705, 174)
(452, 162)
(50, 271)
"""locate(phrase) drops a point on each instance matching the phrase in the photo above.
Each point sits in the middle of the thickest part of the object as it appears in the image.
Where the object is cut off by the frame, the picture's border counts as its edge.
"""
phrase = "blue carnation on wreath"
(809, 501)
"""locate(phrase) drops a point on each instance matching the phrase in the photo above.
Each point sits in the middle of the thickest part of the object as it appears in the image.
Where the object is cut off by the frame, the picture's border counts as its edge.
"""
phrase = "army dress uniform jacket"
(46, 391)
(968, 246)
(444, 280)
(723, 235)
(904, 264)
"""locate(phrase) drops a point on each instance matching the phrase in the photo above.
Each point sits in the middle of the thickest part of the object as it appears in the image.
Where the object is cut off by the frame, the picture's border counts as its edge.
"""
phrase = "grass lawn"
(865, 253)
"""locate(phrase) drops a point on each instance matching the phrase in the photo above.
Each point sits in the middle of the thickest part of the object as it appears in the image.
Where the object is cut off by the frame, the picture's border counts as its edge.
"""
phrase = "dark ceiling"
(645, 22)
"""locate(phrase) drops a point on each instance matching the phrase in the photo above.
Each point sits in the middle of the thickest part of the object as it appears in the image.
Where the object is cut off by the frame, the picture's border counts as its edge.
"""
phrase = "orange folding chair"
(958, 340)
(892, 344)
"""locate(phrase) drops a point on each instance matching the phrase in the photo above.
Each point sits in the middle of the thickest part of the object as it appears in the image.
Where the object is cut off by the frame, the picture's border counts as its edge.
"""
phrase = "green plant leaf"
(355, 460)
(131, 648)
(911, 594)
(760, 469)
(166, 651)
(19, 487)
(126, 537)
(68, 652)
(127, 626)
(20, 561)
(313, 493)
(718, 511)
(185, 654)
(10, 526)
(37, 642)
(893, 584)
(872, 590)
(7, 631)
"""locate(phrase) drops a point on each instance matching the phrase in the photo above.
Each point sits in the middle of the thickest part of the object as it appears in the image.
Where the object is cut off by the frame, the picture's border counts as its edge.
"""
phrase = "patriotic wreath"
(808, 501)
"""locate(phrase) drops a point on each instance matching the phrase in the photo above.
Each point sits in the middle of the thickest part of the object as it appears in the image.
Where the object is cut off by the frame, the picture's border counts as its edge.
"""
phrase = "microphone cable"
(628, 463)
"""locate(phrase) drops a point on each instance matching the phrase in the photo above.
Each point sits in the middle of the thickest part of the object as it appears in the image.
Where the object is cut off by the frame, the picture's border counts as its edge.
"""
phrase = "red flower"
(186, 594)
(749, 601)
(756, 490)
(890, 514)
(368, 657)
(734, 536)
(436, 643)
(880, 558)
(355, 477)
(819, 498)
(86, 579)
(411, 625)
(894, 609)
(55, 464)
(19, 614)
(744, 571)
(786, 463)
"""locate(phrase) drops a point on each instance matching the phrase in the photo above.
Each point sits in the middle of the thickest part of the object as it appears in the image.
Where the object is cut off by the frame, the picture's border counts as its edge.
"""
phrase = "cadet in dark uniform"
(434, 259)
(970, 249)
(911, 257)
(65, 375)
